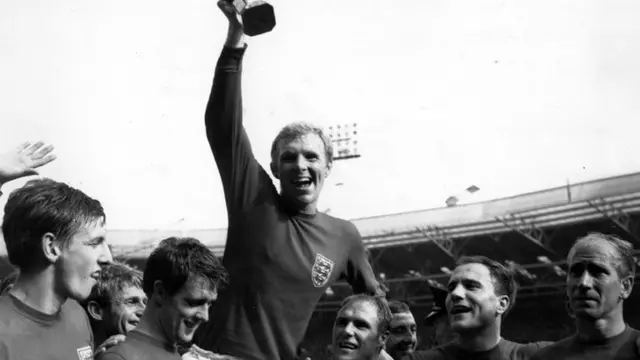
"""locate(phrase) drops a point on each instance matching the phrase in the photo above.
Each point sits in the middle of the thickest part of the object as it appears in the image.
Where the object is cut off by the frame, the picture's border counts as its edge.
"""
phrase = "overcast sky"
(511, 96)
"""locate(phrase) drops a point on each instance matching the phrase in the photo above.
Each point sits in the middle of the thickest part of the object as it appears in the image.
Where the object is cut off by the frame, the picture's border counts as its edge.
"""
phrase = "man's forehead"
(130, 291)
(600, 252)
(472, 271)
(92, 229)
(358, 309)
(199, 286)
(403, 318)
(309, 141)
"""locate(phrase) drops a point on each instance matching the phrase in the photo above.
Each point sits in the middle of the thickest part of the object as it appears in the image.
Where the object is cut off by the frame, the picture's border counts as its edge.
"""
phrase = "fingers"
(39, 153)
(227, 8)
(23, 146)
(44, 161)
(42, 152)
(98, 351)
(33, 148)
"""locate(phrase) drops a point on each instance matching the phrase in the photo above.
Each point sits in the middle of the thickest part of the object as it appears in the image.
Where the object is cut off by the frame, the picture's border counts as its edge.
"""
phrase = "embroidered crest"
(85, 353)
(321, 271)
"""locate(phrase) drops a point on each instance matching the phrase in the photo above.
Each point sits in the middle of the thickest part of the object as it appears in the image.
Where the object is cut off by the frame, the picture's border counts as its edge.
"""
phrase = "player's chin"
(462, 325)
(81, 292)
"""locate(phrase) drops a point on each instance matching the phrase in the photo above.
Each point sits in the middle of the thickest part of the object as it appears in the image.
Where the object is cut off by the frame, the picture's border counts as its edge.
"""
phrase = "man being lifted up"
(281, 253)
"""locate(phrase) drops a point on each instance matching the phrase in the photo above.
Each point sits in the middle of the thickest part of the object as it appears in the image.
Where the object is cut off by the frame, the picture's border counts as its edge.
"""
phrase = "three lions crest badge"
(85, 353)
(321, 270)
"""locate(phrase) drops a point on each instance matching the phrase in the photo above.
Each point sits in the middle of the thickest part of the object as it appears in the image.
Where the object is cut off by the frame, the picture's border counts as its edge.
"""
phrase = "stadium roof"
(552, 207)
(547, 208)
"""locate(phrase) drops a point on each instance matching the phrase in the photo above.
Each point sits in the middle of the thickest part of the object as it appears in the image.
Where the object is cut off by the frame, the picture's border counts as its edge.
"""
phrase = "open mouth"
(96, 275)
(302, 184)
(190, 324)
(459, 309)
(345, 345)
(405, 347)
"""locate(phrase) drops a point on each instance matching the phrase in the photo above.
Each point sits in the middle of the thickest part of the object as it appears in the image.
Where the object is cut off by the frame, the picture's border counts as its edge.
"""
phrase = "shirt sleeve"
(243, 179)
(358, 272)
(110, 356)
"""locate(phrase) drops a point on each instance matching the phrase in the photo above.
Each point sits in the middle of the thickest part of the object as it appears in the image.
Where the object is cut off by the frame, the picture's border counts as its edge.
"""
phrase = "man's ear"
(274, 170)
(159, 293)
(627, 287)
(503, 304)
(327, 171)
(95, 310)
(51, 247)
(383, 338)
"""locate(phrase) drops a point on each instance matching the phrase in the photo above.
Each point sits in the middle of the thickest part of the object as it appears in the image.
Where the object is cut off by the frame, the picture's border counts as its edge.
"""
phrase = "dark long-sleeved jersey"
(279, 261)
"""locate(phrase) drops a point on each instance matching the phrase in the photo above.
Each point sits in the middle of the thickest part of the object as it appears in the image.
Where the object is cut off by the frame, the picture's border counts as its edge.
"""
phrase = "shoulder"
(73, 307)
(431, 354)
(6, 307)
(10, 315)
(634, 336)
(341, 227)
(119, 351)
(547, 349)
(111, 354)
(73, 311)
(519, 350)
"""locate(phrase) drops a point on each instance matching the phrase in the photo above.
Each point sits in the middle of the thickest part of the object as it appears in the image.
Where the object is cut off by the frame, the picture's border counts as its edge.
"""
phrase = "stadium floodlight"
(344, 138)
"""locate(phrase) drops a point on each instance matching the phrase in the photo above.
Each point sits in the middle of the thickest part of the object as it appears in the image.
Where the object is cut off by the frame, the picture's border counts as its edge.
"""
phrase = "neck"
(37, 290)
(601, 329)
(299, 207)
(150, 324)
(481, 340)
(308, 209)
(99, 336)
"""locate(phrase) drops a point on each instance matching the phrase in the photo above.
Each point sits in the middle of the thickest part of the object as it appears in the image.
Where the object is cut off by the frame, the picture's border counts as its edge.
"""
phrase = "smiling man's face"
(402, 338)
(301, 166)
(472, 302)
(183, 312)
(125, 310)
(355, 332)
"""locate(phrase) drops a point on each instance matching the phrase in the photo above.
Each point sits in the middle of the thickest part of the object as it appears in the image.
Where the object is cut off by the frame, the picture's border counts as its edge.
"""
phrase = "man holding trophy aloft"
(281, 253)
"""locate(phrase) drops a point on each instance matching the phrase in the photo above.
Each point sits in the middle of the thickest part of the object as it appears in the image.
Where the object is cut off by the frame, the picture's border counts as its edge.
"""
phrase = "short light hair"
(626, 262)
(114, 277)
(398, 307)
(296, 130)
(381, 305)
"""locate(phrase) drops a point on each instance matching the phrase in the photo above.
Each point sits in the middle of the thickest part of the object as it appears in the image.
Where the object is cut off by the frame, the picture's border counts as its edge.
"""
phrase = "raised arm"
(359, 273)
(242, 176)
(24, 160)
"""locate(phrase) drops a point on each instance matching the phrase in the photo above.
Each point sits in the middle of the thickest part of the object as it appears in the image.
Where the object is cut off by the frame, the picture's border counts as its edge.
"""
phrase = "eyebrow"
(464, 281)
(96, 240)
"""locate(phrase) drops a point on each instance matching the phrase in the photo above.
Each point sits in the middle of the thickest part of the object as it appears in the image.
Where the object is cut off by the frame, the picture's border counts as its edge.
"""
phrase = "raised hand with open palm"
(24, 160)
